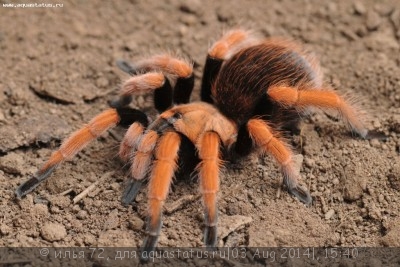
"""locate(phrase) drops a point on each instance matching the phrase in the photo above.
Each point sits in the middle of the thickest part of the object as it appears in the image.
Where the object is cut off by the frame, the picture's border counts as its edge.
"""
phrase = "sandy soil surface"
(58, 71)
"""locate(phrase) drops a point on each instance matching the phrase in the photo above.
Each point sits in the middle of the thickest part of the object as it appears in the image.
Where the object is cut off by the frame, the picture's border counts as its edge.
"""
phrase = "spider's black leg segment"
(210, 72)
(183, 89)
(221, 50)
(190, 159)
(372, 134)
(33, 182)
(209, 167)
(121, 101)
(128, 116)
(164, 167)
(264, 138)
(244, 144)
(132, 189)
(300, 192)
(73, 144)
(163, 96)
(126, 67)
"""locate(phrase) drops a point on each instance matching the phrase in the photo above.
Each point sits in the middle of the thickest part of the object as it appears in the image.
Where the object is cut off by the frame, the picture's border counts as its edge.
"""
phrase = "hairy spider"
(252, 89)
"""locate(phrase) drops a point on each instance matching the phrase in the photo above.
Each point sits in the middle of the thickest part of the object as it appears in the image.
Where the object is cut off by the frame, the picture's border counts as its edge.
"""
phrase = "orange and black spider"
(252, 89)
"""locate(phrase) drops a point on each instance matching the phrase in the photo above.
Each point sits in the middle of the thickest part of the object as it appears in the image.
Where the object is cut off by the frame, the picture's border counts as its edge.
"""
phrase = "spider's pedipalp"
(138, 147)
(209, 168)
(130, 140)
(163, 170)
(324, 99)
(143, 155)
(264, 138)
(78, 140)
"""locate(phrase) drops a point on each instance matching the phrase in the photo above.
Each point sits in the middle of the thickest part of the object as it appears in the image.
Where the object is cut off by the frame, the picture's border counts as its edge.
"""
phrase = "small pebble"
(329, 214)
(5, 229)
(53, 231)
(82, 214)
(2, 117)
(102, 82)
(12, 163)
(136, 223)
(359, 8)
(376, 124)
(381, 198)
(373, 21)
(309, 162)
(375, 143)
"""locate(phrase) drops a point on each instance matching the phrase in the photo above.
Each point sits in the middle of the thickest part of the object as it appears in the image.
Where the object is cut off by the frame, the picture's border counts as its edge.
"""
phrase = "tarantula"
(252, 90)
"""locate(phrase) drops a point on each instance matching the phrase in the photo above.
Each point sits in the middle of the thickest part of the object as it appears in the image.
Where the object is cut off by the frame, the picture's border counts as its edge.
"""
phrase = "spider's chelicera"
(252, 89)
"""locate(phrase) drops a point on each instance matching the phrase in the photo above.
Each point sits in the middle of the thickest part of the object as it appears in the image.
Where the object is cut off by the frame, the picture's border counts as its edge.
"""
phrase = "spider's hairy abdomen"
(240, 90)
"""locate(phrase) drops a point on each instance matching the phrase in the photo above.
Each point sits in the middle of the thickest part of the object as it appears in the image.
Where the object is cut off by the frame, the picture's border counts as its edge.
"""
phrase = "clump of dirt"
(58, 71)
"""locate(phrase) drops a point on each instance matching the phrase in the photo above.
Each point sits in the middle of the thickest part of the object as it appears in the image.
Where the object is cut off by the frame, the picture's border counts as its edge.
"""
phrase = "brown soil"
(58, 70)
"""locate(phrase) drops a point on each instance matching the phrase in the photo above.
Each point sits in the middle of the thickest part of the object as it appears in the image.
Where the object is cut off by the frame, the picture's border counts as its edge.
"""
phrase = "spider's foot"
(131, 191)
(27, 187)
(33, 182)
(210, 236)
(376, 135)
(126, 67)
(149, 245)
(120, 102)
(301, 194)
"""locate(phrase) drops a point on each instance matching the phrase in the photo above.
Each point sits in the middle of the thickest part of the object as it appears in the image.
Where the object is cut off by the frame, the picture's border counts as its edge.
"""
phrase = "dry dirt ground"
(58, 70)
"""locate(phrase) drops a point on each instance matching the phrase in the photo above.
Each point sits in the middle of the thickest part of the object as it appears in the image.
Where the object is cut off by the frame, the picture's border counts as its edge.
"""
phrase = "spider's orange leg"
(164, 167)
(149, 82)
(230, 42)
(208, 168)
(80, 139)
(220, 51)
(265, 139)
(324, 99)
(169, 66)
(130, 141)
